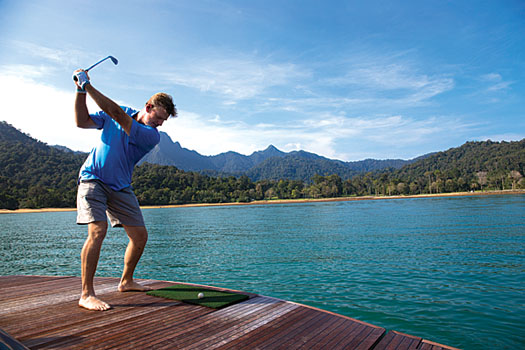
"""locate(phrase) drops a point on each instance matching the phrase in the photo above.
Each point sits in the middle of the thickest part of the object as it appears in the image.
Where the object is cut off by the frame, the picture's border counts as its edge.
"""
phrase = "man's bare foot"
(93, 303)
(132, 287)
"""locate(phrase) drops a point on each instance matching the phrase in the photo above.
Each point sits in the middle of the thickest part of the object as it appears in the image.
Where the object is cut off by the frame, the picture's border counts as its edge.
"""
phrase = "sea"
(447, 269)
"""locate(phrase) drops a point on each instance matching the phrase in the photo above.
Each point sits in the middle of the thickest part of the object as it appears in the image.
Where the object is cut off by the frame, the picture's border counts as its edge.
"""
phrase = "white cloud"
(53, 55)
(40, 51)
(379, 81)
(502, 137)
(352, 84)
(326, 135)
(496, 82)
(210, 137)
(24, 70)
(492, 77)
(235, 78)
(42, 111)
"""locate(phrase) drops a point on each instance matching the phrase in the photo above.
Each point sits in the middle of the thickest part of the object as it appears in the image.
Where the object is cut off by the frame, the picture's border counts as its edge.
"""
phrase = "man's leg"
(138, 236)
(89, 261)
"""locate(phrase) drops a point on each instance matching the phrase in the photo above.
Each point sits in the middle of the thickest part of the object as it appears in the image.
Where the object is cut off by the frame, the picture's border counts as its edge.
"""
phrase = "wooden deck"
(42, 312)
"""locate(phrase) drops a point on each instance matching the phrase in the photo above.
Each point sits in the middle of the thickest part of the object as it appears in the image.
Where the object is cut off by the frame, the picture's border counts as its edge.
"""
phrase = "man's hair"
(165, 101)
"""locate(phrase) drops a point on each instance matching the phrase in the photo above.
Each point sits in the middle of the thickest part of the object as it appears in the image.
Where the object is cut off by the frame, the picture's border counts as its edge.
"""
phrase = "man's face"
(155, 116)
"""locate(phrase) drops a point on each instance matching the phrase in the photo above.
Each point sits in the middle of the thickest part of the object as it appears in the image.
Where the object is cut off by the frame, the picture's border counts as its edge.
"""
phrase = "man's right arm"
(82, 117)
(106, 104)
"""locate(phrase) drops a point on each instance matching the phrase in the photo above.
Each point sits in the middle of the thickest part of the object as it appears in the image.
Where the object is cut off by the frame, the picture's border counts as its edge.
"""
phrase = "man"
(105, 179)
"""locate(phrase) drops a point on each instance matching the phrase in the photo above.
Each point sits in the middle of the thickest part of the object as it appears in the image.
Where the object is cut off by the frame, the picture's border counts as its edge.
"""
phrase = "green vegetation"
(35, 175)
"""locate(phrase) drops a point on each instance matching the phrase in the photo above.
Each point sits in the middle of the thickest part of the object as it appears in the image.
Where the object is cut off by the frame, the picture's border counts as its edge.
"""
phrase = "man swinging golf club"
(105, 178)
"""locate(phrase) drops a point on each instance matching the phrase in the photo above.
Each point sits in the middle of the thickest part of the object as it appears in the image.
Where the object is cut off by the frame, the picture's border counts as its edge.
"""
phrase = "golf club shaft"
(102, 60)
(113, 59)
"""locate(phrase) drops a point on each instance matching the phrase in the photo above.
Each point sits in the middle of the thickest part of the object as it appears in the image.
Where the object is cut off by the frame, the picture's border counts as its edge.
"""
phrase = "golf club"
(113, 59)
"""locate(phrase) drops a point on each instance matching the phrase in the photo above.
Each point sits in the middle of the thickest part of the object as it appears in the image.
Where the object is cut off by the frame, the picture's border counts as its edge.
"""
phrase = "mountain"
(168, 152)
(10, 134)
(301, 165)
(232, 162)
(261, 156)
(269, 164)
(65, 149)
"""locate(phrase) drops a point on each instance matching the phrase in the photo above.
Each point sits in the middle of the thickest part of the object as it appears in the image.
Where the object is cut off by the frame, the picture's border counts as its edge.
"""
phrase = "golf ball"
(200, 295)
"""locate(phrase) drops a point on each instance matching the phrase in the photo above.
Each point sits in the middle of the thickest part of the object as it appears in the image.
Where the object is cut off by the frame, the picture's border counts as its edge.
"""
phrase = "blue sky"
(348, 80)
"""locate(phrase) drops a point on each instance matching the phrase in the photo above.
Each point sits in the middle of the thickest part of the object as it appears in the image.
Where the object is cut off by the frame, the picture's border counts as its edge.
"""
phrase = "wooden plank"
(350, 333)
(79, 329)
(289, 329)
(265, 333)
(429, 345)
(398, 341)
(189, 328)
(244, 330)
(345, 331)
(108, 329)
(138, 334)
(21, 280)
(62, 290)
(68, 310)
(254, 330)
(326, 334)
(245, 324)
(34, 288)
(84, 322)
(287, 335)
(67, 315)
(363, 340)
(304, 332)
(212, 327)
(316, 332)
(152, 333)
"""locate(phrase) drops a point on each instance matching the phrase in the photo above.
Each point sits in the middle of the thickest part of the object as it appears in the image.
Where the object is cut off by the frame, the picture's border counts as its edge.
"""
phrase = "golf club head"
(114, 60)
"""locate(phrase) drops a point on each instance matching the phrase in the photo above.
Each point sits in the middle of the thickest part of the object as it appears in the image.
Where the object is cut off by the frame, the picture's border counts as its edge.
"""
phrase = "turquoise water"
(451, 270)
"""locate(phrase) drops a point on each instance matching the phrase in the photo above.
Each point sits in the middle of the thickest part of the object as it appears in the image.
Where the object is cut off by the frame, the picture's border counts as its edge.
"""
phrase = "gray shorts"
(95, 199)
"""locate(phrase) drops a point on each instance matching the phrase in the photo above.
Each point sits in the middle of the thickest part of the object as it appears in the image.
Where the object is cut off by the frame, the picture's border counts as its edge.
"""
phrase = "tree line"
(163, 185)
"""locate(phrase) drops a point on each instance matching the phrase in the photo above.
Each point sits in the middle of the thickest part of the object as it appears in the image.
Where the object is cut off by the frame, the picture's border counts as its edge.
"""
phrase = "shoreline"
(287, 201)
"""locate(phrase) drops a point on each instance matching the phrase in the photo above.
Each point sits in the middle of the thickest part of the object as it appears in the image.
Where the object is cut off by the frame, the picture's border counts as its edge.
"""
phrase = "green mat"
(189, 294)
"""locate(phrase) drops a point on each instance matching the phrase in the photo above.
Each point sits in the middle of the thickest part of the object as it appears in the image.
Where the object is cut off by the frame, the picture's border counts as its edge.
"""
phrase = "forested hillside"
(475, 165)
(35, 175)
(471, 167)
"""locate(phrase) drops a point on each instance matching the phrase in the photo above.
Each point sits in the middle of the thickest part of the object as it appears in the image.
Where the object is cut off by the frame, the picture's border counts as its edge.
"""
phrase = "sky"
(348, 80)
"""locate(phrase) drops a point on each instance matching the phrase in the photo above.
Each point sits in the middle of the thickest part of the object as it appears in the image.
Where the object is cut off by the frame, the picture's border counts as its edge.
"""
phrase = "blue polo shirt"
(113, 159)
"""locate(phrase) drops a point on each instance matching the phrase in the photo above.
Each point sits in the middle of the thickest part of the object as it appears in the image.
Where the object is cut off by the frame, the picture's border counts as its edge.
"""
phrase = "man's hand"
(81, 78)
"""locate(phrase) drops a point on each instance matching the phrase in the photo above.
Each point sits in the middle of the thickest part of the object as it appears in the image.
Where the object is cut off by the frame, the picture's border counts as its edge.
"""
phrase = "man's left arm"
(111, 108)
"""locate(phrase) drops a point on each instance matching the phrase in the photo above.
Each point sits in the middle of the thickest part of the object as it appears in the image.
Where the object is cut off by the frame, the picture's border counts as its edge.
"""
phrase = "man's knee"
(137, 234)
(97, 230)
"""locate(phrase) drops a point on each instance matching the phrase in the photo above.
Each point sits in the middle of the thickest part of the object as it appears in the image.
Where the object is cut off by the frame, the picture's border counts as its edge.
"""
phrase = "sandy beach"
(287, 201)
